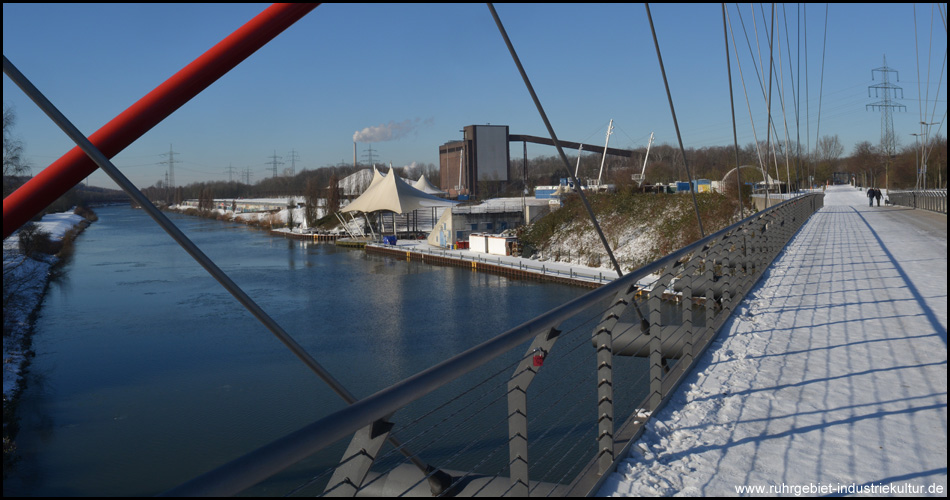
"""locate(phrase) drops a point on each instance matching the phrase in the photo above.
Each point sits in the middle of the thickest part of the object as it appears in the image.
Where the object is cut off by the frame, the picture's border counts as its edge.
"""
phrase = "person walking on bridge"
(877, 196)
(871, 197)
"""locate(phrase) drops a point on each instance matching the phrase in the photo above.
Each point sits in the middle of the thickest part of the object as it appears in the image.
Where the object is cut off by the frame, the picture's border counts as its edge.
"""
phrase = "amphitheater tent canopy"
(425, 186)
(393, 195)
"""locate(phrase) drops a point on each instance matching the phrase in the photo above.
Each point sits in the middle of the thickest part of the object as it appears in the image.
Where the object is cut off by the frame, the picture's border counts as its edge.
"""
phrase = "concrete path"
(831, 379)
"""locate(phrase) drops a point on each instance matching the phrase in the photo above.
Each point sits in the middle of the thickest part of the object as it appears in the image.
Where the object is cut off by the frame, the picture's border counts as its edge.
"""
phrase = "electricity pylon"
(888, 138)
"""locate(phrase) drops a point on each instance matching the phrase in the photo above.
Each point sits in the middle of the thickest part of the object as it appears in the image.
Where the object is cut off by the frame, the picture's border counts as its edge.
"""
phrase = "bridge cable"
(732, 106)
(768, 100)
(795, 88)
(808, 154)
(821, 81)
(544, 117)
(758, 76)
(669, 96)
(755, 137)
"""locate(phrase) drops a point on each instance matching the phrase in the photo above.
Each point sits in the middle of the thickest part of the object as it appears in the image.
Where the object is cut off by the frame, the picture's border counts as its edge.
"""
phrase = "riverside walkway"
(830, 379)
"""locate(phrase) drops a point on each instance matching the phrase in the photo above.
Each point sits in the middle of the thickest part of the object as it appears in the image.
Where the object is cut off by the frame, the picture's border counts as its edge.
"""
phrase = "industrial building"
(483, 155)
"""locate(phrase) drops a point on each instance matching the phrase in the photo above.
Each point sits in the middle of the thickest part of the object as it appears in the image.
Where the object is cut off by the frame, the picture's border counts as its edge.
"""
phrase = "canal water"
(148, 373)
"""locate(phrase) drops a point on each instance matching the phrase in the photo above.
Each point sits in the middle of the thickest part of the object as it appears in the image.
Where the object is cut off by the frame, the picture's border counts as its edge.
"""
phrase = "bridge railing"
(934, 200)
(546, 408)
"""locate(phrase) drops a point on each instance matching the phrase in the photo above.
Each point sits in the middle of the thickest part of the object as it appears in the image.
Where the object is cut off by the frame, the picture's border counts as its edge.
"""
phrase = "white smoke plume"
(388, 132)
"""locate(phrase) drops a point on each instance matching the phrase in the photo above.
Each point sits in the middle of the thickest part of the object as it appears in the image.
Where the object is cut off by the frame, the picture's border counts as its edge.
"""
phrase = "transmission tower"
(171, 166)
(247, 175)
(230, 171)
(370, 157)
(293, 162)
(888, 138)
(274, 162)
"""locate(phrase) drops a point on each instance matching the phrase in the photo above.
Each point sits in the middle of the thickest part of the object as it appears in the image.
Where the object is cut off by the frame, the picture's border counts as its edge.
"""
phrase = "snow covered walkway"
(831, 379)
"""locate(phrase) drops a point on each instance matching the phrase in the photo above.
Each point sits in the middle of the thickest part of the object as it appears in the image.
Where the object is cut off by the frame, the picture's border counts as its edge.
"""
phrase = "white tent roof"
(394, 196)
(425, 186)
(376, 178)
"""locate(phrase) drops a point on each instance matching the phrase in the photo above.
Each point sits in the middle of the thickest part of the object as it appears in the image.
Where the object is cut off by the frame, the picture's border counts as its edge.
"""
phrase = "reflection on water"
(147, 373)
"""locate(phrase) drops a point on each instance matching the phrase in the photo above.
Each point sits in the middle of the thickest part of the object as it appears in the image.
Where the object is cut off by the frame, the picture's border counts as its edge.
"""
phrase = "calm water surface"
(148, 373)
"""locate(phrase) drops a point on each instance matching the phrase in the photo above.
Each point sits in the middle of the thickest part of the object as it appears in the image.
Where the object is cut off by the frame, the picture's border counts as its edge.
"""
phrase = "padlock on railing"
(539, 358)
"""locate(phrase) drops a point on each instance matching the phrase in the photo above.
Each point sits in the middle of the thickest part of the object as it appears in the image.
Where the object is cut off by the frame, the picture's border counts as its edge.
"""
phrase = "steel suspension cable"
(929, 145)
(781, 80)
(745, 92)
(807, 99)
(669, 96)
(766, 94)
(796, 87)
(557, 145)
(821, 81)
(768, 100)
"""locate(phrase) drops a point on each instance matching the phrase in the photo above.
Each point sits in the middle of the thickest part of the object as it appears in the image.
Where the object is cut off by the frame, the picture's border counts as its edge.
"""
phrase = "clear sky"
(424, 71)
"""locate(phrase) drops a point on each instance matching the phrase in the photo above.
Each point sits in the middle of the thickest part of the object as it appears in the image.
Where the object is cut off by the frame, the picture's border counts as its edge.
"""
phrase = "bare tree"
(290, 212)
(14, 164)
(828, 151)
(333, 195)
(311, 202)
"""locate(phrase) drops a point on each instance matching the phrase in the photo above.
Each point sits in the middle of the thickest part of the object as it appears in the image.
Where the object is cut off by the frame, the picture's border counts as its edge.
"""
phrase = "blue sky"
(428, 70)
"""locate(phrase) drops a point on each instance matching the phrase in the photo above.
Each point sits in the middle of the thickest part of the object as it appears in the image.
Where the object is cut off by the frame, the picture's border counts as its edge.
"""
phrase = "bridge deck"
(833, 374)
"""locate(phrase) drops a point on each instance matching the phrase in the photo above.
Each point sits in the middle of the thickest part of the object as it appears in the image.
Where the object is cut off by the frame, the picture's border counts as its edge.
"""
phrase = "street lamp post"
(923, 157)
(917, 158)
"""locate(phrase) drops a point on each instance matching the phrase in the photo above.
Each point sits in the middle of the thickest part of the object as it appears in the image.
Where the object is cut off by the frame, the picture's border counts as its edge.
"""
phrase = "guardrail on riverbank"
(934, 200)
(465, 439)
(487, 264)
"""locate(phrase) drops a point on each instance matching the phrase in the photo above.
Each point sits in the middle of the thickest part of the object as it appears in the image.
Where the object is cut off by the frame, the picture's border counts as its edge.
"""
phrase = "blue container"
(389, 240)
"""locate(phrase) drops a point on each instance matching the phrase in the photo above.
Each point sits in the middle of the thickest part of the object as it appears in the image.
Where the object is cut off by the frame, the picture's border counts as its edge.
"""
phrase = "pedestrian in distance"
(870, 197)
(877, 196)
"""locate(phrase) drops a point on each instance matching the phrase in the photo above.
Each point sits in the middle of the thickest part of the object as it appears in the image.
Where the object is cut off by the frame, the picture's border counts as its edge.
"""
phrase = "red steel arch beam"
(43, 189)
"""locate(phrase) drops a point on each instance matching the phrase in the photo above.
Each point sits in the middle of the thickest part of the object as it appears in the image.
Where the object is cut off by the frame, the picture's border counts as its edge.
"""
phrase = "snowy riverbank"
(25, 280)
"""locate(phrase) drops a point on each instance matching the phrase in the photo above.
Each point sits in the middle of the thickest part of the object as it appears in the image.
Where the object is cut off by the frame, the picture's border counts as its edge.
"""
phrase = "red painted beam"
(56, 179)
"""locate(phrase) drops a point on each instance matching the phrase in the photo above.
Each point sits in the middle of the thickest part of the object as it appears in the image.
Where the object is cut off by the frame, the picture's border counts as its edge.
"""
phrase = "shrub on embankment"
(640, 228)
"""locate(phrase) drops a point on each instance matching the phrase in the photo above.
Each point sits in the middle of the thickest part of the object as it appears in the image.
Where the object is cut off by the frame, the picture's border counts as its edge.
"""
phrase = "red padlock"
(538, 359)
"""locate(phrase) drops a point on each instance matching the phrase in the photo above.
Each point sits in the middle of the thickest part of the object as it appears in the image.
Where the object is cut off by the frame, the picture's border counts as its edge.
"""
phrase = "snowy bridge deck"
(830, 379)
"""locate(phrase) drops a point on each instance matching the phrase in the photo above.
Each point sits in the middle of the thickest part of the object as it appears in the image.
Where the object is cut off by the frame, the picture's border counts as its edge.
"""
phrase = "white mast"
(458, 188)
(644, 169)
(610, 129)
(577, 168)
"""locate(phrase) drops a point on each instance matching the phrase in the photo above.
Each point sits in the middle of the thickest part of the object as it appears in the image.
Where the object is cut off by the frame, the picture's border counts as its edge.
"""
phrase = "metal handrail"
(934, 200)
(258, 465)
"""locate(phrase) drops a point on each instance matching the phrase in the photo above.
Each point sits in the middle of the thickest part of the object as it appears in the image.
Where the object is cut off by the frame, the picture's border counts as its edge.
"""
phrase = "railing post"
(686, 318)
(603, 339)
(358, 458)
(518, 410)
(655, 349)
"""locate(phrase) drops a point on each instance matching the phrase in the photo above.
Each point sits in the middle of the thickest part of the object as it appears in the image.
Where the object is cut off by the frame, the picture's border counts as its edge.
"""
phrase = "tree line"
(792, 165)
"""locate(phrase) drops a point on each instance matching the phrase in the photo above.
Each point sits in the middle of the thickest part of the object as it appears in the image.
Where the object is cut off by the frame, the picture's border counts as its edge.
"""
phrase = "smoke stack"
(354, 154)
